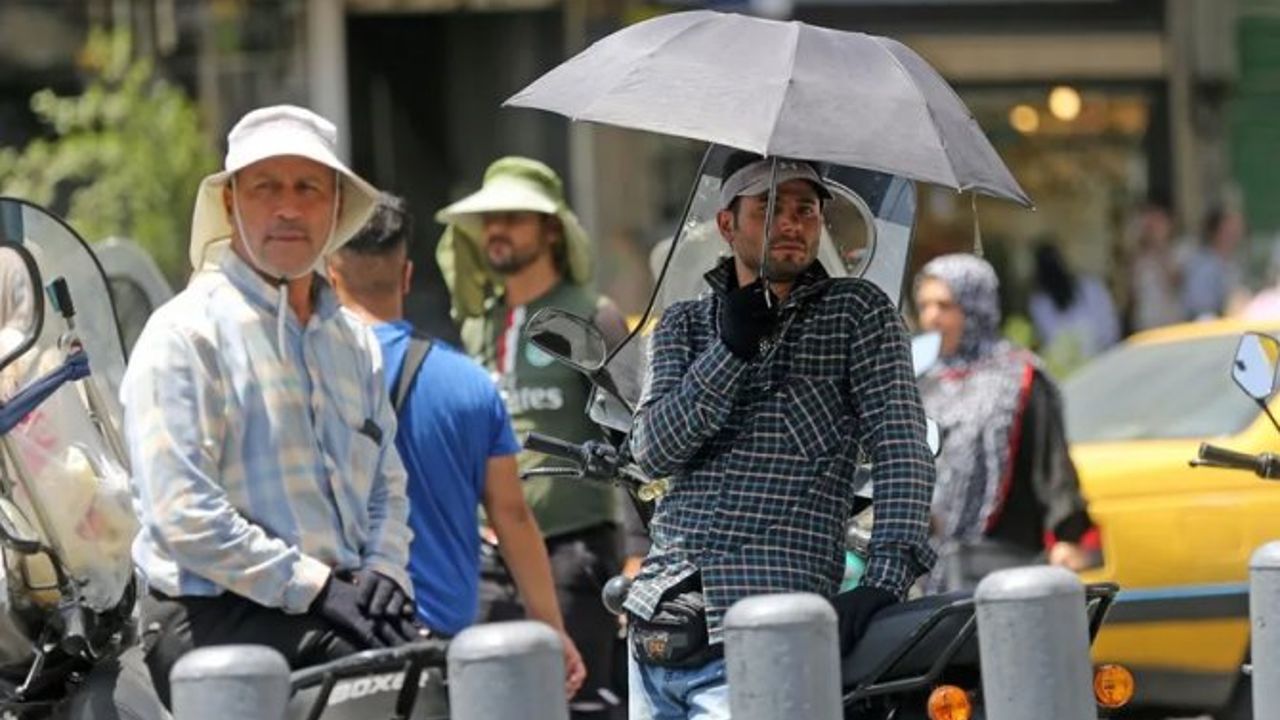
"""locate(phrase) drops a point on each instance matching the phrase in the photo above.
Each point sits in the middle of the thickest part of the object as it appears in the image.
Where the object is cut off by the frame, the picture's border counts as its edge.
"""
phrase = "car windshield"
(1167, 390)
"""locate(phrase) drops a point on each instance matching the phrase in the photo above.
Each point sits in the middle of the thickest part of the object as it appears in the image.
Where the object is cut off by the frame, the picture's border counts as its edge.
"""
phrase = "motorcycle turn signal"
(948, 702)
(1113, 686)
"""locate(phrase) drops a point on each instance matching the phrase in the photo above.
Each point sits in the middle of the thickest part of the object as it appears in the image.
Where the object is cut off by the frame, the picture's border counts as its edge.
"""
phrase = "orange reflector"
(1113, 686)
(948, 702)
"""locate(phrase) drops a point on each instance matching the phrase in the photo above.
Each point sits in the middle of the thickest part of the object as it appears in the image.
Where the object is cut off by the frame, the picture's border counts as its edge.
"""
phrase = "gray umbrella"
(779, 89)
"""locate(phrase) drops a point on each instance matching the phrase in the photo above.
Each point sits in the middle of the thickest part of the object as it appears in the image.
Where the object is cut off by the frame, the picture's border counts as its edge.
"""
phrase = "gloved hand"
(746, 319)
(382, 601)
(380, 596)
(338, 602)
(854, 610)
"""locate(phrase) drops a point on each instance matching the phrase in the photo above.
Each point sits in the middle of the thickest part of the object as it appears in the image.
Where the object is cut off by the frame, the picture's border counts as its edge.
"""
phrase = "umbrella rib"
(955, 179)
(782, 101)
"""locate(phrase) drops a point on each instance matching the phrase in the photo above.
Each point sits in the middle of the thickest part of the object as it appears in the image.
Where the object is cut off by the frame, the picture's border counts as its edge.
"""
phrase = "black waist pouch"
(676, 636)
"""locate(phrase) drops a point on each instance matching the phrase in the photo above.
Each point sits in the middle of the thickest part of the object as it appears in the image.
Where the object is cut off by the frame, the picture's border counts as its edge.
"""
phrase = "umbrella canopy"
(779, 89)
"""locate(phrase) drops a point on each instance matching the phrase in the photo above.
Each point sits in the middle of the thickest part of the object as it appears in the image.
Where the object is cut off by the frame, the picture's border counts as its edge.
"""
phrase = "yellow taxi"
(1177, 539)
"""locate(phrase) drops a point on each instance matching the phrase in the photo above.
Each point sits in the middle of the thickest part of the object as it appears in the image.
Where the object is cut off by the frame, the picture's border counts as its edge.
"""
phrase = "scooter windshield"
(61, 253)
(64, 461)
(866, 231)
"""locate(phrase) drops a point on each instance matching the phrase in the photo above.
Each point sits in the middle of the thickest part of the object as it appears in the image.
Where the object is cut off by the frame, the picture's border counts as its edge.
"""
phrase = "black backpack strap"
(419, 346)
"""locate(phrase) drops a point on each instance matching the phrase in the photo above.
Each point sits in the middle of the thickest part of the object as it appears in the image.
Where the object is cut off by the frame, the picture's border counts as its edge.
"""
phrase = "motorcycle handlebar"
(547, 445)
(1264, 465)
(1228, 458)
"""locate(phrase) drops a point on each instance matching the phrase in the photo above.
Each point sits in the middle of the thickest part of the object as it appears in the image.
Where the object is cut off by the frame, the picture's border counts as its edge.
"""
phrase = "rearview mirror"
(1254, 367)
(568, 338)
(21, 302)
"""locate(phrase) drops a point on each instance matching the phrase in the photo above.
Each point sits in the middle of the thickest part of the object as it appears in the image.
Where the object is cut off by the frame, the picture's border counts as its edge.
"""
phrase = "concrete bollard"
(246, 682)
(1264, 622)
(507, 670)
(783, 658)
(1033, 633)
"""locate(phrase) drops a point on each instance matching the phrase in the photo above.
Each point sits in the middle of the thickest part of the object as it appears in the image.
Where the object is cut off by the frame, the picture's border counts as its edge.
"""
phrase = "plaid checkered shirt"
(762, 454)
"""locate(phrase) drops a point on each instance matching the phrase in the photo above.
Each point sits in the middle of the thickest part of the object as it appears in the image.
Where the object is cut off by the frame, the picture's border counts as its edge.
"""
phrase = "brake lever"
(1197, 462)
(553, 472)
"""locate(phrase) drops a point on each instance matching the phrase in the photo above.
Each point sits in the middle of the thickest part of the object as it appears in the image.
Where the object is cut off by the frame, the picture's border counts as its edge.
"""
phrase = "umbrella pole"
(768, 228)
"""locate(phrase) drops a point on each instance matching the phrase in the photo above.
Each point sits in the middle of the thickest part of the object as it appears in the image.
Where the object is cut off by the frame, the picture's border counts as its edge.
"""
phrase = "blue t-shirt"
(452, 422)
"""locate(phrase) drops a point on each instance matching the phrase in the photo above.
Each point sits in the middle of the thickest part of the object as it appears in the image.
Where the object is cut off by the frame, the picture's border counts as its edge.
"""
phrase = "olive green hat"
(510, 184)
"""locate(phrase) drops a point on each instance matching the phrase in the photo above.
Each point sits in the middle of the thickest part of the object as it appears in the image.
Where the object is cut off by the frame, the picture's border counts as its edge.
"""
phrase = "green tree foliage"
(124, 158)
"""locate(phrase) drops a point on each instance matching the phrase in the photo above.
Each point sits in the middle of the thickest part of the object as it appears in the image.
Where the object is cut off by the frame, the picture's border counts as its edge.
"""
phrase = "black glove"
(746, 319)
(383, 602)
(338, 602)
(380, 596)
(854, 610)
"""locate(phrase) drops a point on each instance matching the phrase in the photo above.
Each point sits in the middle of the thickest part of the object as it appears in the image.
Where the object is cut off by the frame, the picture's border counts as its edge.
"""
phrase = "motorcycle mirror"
(568, 338)
(21, 303)
(925, 350)
(1255, 364)
(608, 410)
(933, 436)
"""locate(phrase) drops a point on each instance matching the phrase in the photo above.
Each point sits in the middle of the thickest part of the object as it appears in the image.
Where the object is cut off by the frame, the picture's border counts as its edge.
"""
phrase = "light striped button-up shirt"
(258, 472)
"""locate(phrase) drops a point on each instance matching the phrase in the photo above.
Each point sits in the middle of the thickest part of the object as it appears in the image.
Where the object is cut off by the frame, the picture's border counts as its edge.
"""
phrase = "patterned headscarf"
(976, 396)
(976, 289)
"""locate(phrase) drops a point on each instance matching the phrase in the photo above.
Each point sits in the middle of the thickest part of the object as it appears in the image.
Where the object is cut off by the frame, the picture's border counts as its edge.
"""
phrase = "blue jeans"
(658, 693)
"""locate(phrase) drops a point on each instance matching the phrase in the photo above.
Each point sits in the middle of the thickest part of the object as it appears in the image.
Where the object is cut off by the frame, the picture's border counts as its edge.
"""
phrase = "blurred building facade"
(1097, 105)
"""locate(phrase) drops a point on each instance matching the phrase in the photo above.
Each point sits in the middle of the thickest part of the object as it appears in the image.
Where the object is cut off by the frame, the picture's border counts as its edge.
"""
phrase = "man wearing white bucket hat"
(272, 498)
(509, 250)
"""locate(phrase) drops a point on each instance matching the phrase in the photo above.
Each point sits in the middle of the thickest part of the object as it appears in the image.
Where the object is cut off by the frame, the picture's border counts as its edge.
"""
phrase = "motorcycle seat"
(892, 627)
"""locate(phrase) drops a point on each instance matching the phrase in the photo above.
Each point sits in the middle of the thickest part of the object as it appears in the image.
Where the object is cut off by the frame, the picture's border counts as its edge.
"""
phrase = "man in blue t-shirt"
(456, 441)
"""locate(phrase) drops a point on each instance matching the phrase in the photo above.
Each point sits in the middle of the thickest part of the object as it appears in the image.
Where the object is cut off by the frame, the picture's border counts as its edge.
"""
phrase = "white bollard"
(1033, 633)
(783, 658)
(507, 670)
(246, 682)
(1264, 628)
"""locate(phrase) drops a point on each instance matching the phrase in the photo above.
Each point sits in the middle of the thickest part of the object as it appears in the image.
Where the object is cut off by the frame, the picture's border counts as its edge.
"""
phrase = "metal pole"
(1033, 634)
(507, 670)
(1264, 619)
(246, 682)
(782, 657)
(327, 67)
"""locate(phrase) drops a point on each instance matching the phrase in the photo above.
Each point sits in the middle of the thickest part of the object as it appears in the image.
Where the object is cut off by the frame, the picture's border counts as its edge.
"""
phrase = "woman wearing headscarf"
(1007, 492)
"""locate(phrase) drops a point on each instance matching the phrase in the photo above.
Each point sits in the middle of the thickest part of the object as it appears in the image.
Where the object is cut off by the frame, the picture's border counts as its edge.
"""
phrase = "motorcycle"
(1255, 369)
(911, 650)
(66, 516)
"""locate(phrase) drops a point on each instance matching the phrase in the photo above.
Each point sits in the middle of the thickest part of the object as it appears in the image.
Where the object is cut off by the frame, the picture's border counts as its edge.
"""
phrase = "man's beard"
(513, 261)
(784, 270)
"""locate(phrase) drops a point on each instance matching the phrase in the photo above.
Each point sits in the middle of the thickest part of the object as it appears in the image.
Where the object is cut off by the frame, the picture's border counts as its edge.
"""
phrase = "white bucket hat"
(270, 132)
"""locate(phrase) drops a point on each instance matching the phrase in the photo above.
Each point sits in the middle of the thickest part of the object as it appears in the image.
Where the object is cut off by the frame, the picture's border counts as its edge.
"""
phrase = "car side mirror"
(567, 338)
(21, 302)
(1254, 367)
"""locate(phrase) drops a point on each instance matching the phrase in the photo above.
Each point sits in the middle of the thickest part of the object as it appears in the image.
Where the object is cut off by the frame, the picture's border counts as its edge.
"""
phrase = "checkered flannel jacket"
(761, 454)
